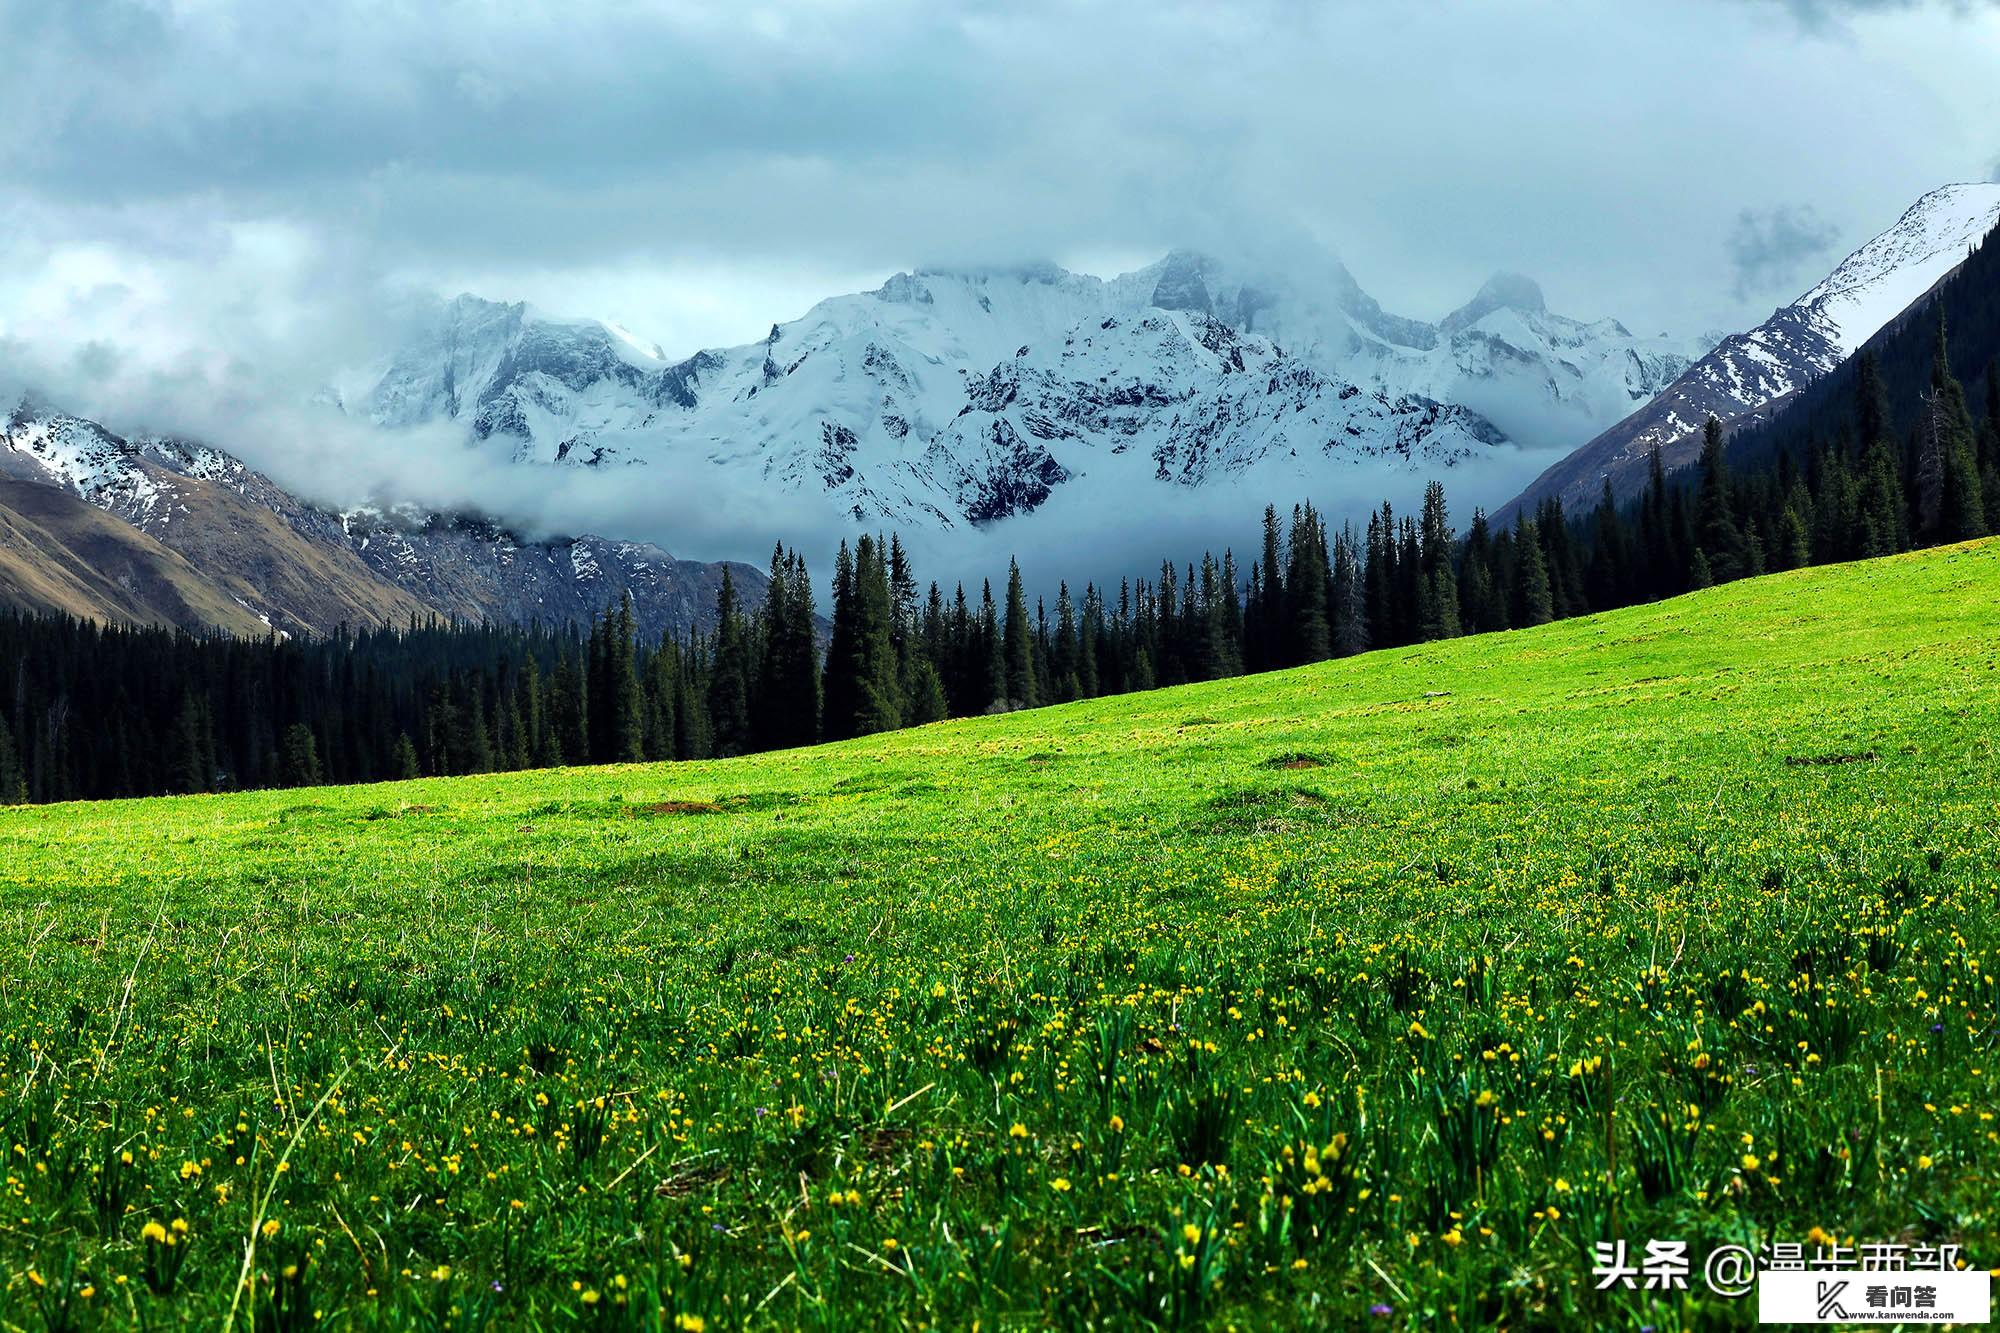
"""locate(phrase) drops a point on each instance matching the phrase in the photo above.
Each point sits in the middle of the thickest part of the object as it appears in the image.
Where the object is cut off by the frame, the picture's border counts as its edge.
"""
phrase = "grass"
(1372, 993)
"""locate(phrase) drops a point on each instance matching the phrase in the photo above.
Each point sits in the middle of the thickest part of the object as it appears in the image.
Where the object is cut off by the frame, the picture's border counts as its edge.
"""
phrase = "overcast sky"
(179, 170)
(205, 204)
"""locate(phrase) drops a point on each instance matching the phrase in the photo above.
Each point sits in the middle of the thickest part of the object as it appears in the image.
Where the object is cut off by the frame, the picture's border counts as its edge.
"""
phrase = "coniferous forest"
(91, 711)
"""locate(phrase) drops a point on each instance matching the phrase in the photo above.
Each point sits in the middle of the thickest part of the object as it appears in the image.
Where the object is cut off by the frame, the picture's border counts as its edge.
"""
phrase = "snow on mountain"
(86, 460)
(1539, 376)
(1748, 372)
(305, 568)
(952, 398)
(1879, 281)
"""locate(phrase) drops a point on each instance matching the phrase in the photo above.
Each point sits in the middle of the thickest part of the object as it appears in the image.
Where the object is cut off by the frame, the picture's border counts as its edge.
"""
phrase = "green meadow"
(1370, 994)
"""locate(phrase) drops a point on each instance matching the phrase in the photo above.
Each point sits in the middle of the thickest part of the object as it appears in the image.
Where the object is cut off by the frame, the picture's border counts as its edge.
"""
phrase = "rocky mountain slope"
(1749, 374)
(246, 556)
(950, 398)
(59, 555)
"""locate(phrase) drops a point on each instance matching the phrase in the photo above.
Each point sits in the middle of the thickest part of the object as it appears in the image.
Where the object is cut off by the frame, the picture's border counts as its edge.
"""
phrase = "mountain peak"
(1502, 291)
(1182, 282)
(1877, 281)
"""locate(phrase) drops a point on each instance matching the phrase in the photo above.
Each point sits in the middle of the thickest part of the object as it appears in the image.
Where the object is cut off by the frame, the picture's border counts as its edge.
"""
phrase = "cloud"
(1817, 13)
(1769, 247)
(206, 208)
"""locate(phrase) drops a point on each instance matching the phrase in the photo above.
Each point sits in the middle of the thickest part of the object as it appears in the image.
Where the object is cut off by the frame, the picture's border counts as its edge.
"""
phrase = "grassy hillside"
(1389, 984)
(61, 555)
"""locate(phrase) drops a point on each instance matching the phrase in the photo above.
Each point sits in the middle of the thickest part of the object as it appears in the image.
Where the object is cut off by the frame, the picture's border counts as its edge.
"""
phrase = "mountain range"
(947, 398)
(942, 400)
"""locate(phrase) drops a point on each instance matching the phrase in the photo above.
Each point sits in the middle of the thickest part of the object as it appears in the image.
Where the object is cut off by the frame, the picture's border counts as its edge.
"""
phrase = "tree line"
(89, 710)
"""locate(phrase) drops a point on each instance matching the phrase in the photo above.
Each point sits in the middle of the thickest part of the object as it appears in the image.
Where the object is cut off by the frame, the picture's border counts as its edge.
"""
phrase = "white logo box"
(1856, 1297)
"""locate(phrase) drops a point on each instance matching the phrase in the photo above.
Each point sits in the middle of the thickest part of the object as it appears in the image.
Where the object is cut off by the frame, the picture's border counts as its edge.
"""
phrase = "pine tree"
(691, 734)
(1715, 523)
(1142, 670)
(627, 729)
(1605, 583)
(879, 701)
(992, 654)
(925, 701)
(1230, 630)
(1482, 604)
(787, 711)
(298, 757)
(1349, 630)
(1794, 548)
(1537, 601)
(1989, 447)
(1307, 638)
(403, 763)
(13, 783)
(729, 672)
(1379, 578)
(192, 754)
(1948, 431)
(841, 686)
(471, 740)
(660, 677)
(534, 722)
(1066, 684)
(1438, 595)
(1270, 649)
(863, 691)
(516, 748)
(1017, 648)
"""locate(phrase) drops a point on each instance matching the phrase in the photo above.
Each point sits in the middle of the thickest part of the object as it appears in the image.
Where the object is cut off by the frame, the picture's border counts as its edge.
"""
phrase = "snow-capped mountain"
(1748, 373)
(1536, 375)
(297, 567)
(948, 398)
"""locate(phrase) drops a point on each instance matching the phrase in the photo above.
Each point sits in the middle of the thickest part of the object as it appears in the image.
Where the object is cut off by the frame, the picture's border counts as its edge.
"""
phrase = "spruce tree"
(1950, 438)
(13, 785)
(1605, 583)
(1230, 631)
(1715, 524)
(471, 743)
(841, 687)
(1269, 651)
(659, 676)
(879, 695)
(567, 708)
(1349, 628)
(729, 673)
(788, 686)
(534, 722)
(192, 756)
(924, 702)
(1064, 652)
(991, 669)
(1307, 638)
(1438, 596)
(1537, 602)
(1989, 447)
(1017, 648)
(627, 723)
(403, 764)
(298, 757)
